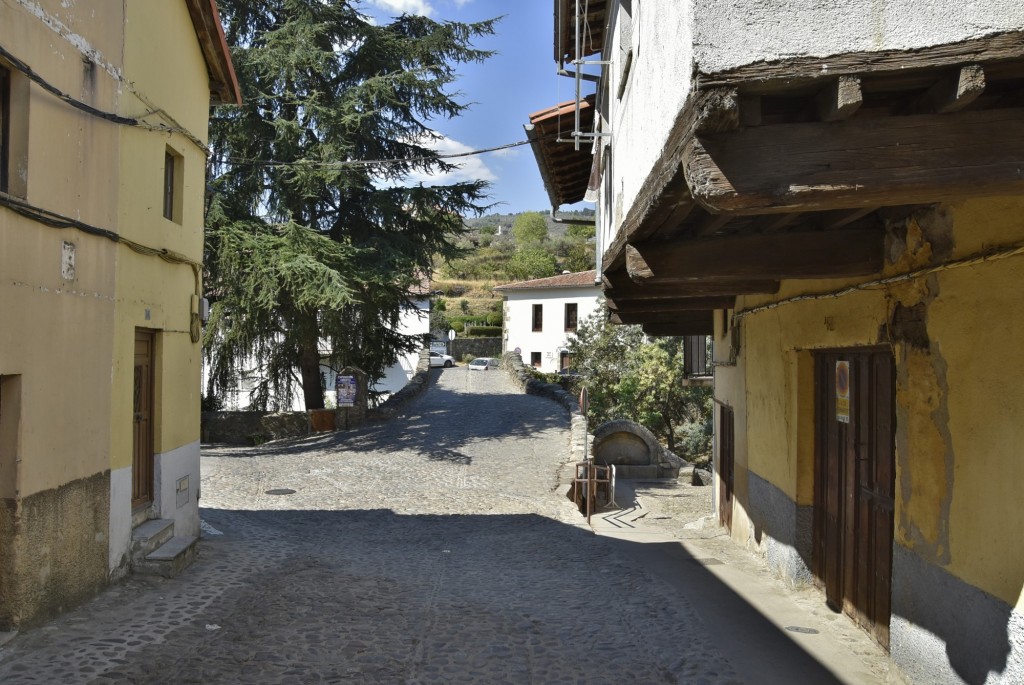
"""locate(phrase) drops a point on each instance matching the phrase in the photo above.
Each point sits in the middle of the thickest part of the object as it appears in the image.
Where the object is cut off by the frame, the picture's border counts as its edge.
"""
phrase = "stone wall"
(477, 347)
(252, 427)
(417, 384)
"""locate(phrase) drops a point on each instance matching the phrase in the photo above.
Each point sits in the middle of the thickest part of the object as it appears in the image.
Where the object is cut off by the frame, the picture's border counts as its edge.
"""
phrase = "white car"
(438, 359)
(483, 364)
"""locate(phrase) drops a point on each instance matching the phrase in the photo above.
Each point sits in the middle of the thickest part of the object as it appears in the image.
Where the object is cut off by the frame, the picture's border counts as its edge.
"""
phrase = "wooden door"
(142, 421)
(855, 484)
(726, 465)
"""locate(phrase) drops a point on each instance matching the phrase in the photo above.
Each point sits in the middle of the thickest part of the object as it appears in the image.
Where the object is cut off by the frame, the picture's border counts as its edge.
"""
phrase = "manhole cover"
(281, 491)
(801, 629)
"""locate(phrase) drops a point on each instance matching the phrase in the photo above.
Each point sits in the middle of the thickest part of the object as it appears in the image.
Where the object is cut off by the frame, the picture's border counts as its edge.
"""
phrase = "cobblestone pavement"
(430, 549)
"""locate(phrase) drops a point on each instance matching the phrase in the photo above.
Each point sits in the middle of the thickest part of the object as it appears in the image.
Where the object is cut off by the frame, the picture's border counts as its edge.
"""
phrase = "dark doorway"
(726, 465)
(855, 484)
(142, 418)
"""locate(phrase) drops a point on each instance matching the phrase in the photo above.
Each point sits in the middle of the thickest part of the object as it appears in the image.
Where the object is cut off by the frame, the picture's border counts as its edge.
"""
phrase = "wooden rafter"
(814, 254)
(858, 163)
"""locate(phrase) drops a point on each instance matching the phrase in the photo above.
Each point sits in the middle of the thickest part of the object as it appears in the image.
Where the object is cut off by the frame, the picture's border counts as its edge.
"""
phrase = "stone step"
(148, 536)
(171, 558)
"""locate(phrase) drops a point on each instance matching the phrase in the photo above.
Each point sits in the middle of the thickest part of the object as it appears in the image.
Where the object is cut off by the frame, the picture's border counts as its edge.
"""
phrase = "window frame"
(571, 322)
(5, 127)
(538, 318)
(173, 185)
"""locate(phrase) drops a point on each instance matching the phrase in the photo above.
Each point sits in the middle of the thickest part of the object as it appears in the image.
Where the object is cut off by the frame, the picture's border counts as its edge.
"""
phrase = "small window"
(625, 21)
(570, 317)
(538, 317)
(173, 171)
(14, 100)
(564, 361)
(535, 359)
(5, 126)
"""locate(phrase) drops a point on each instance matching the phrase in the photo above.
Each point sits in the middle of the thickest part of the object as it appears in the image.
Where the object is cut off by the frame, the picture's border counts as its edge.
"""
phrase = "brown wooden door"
(726, 465)
(142, 421)
(855, 484)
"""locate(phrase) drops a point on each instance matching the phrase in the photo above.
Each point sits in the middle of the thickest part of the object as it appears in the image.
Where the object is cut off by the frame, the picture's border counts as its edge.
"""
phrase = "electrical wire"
(992, 254)
(240, 161)
(93, 111)
(55, 220)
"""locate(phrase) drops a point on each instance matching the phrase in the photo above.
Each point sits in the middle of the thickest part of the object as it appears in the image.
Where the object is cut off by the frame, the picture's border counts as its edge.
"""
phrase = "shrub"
(494, 319)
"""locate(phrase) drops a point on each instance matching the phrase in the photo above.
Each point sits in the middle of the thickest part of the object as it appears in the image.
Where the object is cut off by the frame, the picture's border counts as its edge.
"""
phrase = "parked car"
(483, 364)
(438, 359)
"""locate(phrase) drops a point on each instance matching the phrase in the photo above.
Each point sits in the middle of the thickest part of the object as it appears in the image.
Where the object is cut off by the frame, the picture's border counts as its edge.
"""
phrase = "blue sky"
(504, 90)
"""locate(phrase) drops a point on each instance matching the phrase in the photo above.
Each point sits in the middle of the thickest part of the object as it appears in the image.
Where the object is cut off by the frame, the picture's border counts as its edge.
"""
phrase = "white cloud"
(471, 168)
(405, 6)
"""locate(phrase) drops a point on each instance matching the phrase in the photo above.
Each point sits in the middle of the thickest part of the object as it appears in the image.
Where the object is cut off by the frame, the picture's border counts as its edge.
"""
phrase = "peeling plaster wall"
(955, 336)
(727, 35)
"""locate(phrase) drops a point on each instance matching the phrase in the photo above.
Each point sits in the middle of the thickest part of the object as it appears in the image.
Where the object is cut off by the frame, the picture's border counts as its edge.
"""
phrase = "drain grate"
(280, 491)
(801, 629)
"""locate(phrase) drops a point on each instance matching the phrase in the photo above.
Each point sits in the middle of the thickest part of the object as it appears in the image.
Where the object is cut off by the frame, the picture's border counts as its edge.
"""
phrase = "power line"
(239, 161)
(99, 113)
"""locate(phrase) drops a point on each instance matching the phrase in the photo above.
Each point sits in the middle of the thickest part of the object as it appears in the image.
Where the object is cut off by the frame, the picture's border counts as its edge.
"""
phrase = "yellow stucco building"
(102, 169)
(834, 192)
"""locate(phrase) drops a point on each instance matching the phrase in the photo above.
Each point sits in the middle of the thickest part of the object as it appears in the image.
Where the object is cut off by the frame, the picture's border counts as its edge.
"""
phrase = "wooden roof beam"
(953, 93)
(698, 325)
(840, 99)
(682, 304)
(806, 254)
(692, 319)
(819, 166)
(626, 289)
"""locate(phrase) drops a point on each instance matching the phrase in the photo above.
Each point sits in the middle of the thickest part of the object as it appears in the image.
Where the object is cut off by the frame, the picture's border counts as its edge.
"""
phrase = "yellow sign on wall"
(843, 392)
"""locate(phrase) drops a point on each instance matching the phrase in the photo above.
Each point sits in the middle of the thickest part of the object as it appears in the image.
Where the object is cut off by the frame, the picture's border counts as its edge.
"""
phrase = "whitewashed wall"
(518, 324)
(730, 34)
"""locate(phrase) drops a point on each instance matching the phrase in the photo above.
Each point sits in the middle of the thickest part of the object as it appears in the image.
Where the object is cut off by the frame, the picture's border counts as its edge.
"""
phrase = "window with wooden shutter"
(538, 317)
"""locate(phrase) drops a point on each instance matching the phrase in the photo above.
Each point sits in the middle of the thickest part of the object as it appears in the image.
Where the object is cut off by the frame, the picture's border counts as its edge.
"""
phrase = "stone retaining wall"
(477, 347)
(417, 384)
(252, 427)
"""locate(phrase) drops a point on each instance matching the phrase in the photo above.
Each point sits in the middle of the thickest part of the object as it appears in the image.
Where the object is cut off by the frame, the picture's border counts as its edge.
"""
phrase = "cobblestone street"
(430, 549)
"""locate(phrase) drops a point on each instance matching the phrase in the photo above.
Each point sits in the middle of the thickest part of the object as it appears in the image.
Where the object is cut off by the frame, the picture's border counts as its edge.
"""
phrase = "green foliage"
(488, 230)
(464, 306)
(441, 304)
(529, 228)
(530, 263)
(309, 251)
(494, 319)
(581, 231)
(630, 377)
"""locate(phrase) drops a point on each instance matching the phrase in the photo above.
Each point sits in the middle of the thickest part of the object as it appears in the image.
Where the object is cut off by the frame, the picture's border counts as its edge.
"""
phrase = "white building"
(542, 315)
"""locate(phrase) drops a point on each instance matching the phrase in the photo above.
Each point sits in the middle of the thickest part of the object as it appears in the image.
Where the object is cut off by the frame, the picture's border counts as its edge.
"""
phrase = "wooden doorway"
(726, 464)
(142, 421)
(855, 484)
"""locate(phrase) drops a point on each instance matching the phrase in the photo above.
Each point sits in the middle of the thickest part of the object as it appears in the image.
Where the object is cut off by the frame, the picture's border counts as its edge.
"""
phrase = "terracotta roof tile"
(580, 279)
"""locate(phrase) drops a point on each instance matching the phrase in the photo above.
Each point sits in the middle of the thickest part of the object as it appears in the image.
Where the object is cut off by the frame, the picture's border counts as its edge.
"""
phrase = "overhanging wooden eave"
(224, 89)
(785, 154)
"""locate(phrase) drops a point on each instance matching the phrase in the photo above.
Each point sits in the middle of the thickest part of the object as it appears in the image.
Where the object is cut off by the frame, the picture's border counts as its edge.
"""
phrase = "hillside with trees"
(504, 248)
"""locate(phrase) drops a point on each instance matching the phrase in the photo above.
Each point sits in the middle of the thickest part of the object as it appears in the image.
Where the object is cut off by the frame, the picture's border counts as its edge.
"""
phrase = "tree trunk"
(309, 366)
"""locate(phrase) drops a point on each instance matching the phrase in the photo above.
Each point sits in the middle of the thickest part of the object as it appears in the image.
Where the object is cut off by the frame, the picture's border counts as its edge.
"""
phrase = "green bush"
(483, 331)
(494, 319)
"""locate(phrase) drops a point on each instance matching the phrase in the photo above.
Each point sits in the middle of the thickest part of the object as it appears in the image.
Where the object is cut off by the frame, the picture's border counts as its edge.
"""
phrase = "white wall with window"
(542, 315)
